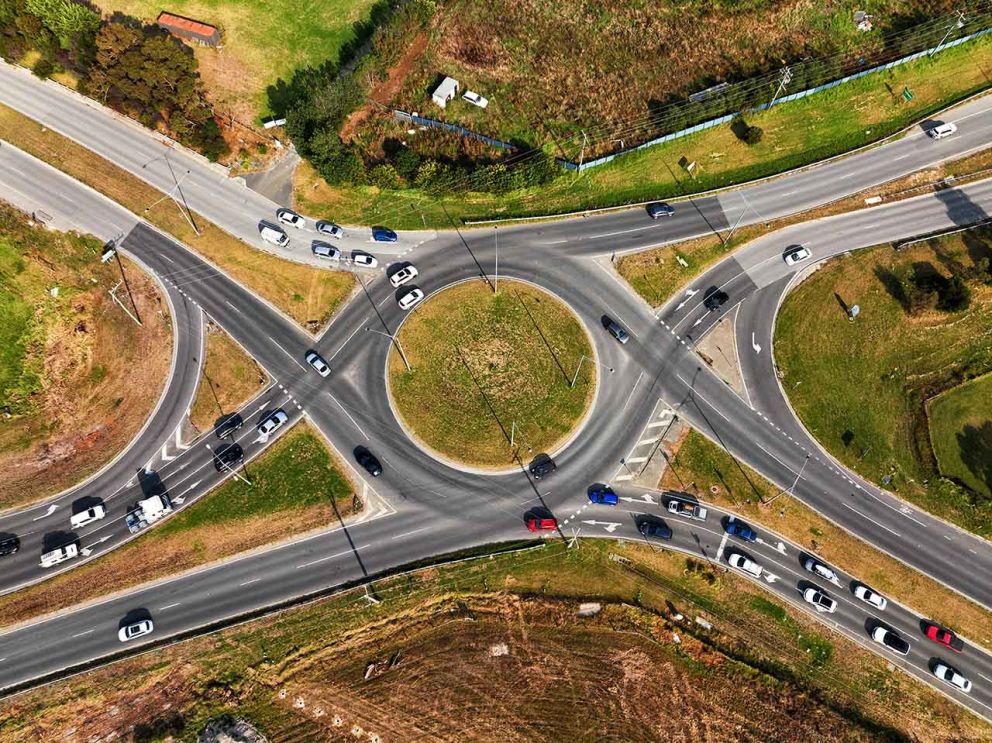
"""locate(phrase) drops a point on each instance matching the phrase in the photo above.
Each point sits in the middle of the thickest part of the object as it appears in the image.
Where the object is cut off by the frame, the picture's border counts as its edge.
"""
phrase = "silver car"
(329, 228)
(317, 362)
(272, 422)
(288, 216)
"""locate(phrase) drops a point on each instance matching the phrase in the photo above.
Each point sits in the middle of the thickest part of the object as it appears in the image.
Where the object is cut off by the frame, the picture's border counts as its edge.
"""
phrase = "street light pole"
(958, 23)
(582, 358)
(795, 482)
(396, 342)
(496, 237)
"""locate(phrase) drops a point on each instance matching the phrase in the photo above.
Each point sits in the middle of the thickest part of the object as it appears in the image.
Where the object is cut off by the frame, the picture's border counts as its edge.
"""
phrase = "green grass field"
(961, 431)
(796, 133)
(262, 41)
(859, 387)
(486, 366)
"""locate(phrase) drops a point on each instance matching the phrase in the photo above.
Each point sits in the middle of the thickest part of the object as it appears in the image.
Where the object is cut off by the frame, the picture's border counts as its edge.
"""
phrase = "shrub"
(956, 295)
(43, 68)
(385, 176)
(753, 135)
(406, 162)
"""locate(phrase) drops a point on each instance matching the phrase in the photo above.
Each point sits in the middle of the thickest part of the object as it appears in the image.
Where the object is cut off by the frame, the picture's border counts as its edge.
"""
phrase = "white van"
(83, 518)
(274, 235)
(63, 553)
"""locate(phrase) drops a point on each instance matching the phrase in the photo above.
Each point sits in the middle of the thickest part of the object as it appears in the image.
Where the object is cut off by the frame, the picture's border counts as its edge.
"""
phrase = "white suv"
(941, 130)
(288, 216)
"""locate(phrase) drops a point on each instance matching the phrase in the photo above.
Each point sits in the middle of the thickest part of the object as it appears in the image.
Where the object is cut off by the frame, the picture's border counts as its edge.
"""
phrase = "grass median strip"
(309, 295)
(961, 431)
(230, 378)
(505, 634)
(297, 486)
(715, 476)
(488, 368)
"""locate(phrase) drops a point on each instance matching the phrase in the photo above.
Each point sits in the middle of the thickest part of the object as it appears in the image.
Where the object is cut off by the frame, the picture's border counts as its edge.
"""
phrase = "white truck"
(148, 511)
(687, 509)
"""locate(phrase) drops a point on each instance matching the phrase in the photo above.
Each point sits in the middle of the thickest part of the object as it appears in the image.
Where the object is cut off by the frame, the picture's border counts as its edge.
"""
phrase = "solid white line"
(632, 392)
(82, 633)
(170, 606)
(249, 582)
(286, 352)
(347, 341)
(232, 306)
(425, 528)
(331, 557)
(871, 519)
(349, 417)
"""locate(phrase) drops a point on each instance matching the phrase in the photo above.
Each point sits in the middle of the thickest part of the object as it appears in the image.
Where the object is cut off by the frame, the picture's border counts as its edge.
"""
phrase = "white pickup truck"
(687, 509)
(148, 511)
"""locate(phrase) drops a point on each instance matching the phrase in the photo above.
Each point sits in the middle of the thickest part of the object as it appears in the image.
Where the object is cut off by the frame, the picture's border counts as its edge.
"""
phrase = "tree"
(67, 20)
(753, 135)
(956, 295)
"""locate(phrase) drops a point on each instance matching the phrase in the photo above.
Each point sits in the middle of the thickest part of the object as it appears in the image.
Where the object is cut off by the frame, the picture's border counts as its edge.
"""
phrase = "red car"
(539, 524)
(944, 636)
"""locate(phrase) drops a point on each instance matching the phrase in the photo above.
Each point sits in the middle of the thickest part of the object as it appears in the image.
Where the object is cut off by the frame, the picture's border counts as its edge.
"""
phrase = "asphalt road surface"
(423, 507)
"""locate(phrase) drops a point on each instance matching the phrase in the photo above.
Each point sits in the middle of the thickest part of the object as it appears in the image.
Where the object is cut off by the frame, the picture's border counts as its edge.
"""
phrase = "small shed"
(190, 30)
(445, 91)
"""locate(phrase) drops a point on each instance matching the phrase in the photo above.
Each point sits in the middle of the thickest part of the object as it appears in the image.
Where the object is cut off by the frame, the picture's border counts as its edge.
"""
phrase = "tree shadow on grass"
(975, 446)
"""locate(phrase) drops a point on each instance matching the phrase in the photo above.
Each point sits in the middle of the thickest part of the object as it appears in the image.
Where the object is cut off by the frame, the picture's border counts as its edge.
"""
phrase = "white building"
(445, 91)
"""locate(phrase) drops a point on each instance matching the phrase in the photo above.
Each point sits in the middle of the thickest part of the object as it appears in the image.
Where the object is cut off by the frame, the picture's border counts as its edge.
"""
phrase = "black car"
(228, 425)
(542, 466)
(228, 456)
(614, 328)
(655, 529)
(9, 545)
(368, 461)
(660, 209)
(715, 299)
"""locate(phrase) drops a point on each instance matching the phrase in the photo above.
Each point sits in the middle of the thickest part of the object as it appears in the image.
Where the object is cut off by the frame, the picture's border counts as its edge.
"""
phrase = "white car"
(475, 99)
(288, 216)
(94, 513)
(317, 362)
(324, 250)
(361, 258)
(739, 561)
(412, 296)
(941, 130)
(329, 228)
(796, 254)
(138, 629)
(272, 422)
(273, 234)
(818, 568)
(870, 596)
(951, 675)
(820, 601)
(405, 274)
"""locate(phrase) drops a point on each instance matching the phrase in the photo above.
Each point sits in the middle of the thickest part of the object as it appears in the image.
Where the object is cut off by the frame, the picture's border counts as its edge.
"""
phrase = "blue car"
(740, 529)
(383, 235)
(602, 494)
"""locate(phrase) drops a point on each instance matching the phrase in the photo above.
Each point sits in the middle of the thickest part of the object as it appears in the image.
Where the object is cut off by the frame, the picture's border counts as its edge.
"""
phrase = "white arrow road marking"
(179, 443)
(754, 344)
(691, 292)
(778, 546)
(645, 498)
(771, 578)
(49, 512)
(681, 304)
(86, 551)
(165, 456)
(699, 321)
(610, 526)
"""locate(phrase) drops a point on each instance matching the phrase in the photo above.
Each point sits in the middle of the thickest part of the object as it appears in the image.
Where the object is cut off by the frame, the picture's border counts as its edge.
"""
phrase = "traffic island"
(493, 376)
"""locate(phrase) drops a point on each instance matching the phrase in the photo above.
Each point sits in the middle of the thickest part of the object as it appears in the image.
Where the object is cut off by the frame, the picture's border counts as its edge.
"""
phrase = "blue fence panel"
(435, 124)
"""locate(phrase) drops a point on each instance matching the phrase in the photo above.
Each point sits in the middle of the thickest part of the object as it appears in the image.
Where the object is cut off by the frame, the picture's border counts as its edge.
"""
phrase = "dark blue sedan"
(740, 529)
(383, 235)
(602, 494)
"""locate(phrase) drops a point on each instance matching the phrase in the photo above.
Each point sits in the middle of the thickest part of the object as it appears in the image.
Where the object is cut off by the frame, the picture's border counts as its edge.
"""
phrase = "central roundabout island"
(489, 367)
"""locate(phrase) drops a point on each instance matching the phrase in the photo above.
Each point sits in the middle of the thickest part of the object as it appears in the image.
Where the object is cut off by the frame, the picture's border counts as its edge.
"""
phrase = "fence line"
(569, 165)
(435, 124)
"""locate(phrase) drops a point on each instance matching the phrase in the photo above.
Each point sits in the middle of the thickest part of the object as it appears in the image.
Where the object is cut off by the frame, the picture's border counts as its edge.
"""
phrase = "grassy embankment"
(78, 378)
(308, 295)
(860, 387)
(483, 364)
(297, 486)
(961, 433)
(230, 378)
(502, 638)
(795, 133)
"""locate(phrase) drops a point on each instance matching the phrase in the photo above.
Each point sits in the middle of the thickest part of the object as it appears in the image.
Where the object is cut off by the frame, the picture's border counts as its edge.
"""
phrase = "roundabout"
(493, 376)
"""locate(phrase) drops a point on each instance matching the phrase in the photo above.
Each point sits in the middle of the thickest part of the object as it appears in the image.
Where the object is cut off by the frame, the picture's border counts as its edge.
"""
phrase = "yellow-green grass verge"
(503, 638)
(230, 378)
(859, 387)
(717, 477)
(308, 295)
(961, 433)
(78, 378)
(297, 486)
(487, 366)
(795, 134)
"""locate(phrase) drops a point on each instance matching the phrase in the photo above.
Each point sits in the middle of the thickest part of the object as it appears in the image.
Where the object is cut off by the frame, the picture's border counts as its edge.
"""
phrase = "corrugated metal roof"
(186, 24)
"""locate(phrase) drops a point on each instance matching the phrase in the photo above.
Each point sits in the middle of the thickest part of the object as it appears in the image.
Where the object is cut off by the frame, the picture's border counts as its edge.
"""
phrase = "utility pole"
(958, 23)
(396, 342)
(110, 249)
(582, 152)
(791, 489)
(184, 207)
(783, 81)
